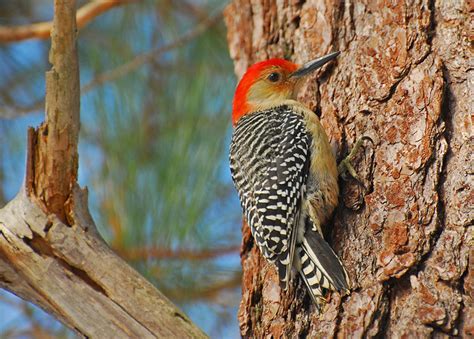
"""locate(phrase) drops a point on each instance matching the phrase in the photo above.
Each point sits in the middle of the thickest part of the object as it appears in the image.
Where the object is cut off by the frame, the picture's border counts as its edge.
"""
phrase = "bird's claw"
(346, 166)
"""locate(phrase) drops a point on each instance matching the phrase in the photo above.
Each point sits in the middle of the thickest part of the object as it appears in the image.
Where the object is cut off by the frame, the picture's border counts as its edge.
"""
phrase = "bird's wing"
(270, 173)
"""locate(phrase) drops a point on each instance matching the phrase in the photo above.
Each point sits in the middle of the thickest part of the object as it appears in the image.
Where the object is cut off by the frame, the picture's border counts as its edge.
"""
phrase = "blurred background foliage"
(157, 84)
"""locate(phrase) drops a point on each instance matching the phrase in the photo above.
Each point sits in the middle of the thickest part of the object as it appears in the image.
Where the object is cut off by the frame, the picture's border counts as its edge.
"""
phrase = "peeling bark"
(54, 154)
(407, 238)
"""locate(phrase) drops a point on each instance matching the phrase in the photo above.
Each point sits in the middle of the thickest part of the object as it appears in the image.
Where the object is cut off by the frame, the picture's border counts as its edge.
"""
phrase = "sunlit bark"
(402, 79)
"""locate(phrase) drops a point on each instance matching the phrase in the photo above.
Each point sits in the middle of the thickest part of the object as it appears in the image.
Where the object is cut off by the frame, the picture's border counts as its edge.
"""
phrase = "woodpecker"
(286, 174)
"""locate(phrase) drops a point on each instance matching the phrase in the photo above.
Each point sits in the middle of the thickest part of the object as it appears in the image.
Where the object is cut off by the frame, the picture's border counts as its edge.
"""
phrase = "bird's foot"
(345, 166)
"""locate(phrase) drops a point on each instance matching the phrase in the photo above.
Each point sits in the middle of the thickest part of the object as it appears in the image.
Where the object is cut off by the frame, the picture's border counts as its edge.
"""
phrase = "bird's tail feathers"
(321, 268)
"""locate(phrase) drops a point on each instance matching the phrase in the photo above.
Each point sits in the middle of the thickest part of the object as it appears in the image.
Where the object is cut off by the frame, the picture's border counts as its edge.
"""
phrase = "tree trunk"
(406, 238)
(50, 251)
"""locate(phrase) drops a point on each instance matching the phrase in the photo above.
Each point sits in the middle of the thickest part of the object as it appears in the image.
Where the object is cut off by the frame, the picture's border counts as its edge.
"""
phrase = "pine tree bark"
(50, 251)
(406, 238)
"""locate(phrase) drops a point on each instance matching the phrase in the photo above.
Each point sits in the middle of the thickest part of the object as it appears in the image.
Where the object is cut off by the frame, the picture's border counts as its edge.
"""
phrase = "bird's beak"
(313, 65)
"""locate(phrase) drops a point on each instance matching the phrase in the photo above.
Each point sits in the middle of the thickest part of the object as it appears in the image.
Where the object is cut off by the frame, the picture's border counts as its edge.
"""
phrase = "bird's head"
(269, 83)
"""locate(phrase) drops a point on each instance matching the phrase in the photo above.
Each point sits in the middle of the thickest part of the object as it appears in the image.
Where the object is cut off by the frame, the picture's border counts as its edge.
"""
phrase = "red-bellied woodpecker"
(286, 174)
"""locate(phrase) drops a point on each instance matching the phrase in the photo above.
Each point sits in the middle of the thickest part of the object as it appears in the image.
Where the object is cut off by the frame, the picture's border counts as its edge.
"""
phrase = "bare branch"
(42, 30)
(13, 111)
(124, 69)
(55, 158)
(140, 253)
(50, 251)
(141, 59)
(211, 291)
(72, 274)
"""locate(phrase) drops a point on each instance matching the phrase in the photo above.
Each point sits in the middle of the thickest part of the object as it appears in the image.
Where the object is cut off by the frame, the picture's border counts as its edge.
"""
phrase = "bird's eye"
(274, 77)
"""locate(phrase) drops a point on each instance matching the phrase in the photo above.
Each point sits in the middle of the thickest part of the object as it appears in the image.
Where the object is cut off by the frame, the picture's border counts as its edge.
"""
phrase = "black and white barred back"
(269, 162)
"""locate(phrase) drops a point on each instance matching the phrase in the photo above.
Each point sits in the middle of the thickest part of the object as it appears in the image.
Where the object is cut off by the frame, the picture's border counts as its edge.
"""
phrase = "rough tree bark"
(50, 251)
(407, 239)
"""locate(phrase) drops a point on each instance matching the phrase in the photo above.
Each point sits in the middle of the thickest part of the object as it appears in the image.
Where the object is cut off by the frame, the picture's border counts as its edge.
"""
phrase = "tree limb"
(211, 291)
(50, 251)
(42, 30)
(72, 274)
(125, 68)
(53, 166)
(141, 253)
(143, 58)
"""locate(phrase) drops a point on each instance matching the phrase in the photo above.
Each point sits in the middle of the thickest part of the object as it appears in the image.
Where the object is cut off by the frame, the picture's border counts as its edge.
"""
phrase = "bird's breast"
(322, 186)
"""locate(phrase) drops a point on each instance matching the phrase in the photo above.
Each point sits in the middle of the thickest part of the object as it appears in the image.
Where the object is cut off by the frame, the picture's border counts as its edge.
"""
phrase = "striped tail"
(321, 268)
